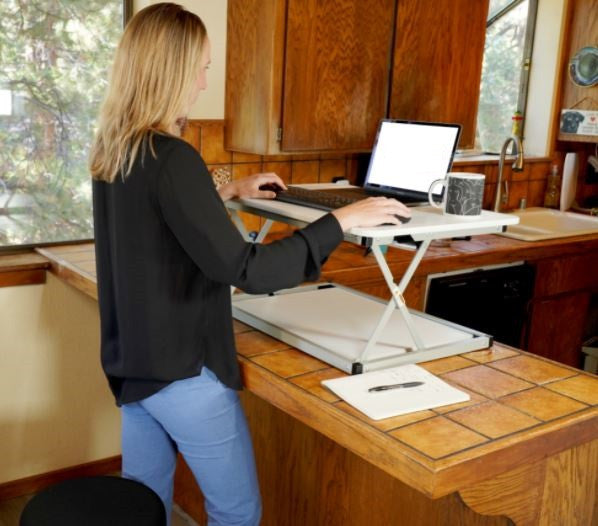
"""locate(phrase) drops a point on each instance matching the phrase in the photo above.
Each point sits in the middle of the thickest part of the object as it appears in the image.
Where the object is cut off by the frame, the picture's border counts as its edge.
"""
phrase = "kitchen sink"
(536, 224)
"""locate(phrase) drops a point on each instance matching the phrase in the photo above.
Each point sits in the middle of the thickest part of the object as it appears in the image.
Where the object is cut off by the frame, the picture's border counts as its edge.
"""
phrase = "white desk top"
(426, 222)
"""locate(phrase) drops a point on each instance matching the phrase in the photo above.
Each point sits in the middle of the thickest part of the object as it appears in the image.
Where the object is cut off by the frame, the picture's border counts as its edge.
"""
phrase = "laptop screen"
(409, 156)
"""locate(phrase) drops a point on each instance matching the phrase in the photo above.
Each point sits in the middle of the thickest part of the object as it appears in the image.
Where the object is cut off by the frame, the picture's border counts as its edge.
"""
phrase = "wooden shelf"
(577, 138)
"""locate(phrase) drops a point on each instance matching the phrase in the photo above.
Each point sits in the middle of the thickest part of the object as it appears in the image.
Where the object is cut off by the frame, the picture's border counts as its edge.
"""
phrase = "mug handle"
(430, 199)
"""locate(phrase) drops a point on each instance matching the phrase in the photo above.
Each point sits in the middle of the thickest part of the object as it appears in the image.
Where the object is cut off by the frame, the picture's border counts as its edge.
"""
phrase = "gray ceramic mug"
(463, 196)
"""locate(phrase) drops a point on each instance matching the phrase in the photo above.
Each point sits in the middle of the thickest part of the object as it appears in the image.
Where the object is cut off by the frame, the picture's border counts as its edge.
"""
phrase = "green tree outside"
(501, 75)
(54, 61)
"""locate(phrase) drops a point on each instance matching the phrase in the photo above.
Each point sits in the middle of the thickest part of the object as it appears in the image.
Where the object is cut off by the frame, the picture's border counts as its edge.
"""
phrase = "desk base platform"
(334, 323)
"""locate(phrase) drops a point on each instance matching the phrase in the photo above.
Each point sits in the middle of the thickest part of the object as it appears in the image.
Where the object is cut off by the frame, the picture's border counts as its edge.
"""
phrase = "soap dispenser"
(552, 195)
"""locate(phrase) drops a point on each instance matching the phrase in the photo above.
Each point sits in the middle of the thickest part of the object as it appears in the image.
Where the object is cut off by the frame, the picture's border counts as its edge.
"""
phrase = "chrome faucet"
(501, 198)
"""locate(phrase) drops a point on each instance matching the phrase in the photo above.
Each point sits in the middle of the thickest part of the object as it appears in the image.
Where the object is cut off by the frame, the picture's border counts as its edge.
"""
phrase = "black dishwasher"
(491, 300)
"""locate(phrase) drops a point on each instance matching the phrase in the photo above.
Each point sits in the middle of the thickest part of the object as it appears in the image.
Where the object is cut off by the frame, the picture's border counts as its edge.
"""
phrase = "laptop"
(407, 157)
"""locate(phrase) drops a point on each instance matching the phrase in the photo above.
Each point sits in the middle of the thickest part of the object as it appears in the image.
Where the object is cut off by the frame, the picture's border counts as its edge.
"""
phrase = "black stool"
(95, 501)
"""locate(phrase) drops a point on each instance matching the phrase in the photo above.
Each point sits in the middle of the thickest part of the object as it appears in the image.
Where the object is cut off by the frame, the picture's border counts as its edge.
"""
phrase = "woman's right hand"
(372, 211)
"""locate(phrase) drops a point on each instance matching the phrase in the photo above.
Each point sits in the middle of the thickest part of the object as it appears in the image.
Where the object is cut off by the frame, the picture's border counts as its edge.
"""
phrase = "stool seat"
(95, 501)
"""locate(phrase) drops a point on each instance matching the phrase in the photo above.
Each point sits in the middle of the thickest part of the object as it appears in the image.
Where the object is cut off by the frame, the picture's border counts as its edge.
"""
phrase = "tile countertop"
(523, 408)
(76, 263)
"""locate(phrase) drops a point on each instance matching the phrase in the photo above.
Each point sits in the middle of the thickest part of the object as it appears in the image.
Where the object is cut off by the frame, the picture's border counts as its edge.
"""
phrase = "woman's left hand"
(251, 187)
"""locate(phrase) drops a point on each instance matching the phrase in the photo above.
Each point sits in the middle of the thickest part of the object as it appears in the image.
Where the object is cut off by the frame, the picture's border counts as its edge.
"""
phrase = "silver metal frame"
(476, 340)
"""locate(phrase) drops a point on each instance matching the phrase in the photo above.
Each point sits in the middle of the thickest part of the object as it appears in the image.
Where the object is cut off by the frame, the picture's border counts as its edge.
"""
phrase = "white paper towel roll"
(569, 184)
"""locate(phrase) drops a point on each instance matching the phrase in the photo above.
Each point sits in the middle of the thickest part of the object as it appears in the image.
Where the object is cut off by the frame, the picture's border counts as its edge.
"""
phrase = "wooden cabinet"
(306, 75)
(335, 75)
(558, 311)
(437, 62)
(315, 75)
(556, 327)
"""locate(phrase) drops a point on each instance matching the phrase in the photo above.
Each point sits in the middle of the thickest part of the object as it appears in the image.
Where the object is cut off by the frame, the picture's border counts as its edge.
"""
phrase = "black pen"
(394, 386)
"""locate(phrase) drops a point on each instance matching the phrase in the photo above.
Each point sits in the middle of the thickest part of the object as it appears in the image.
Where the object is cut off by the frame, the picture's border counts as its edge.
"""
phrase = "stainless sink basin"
(536, 224)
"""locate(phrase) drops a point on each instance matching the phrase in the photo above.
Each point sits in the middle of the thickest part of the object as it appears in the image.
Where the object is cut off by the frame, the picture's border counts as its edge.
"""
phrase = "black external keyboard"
(313, 198)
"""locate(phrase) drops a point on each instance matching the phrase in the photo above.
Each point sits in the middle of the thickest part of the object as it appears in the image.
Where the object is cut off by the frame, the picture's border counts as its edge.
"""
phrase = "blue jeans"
(204, 420)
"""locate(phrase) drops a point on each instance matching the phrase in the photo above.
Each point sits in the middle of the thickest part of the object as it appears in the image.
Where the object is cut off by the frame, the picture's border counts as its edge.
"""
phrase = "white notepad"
(393, 402)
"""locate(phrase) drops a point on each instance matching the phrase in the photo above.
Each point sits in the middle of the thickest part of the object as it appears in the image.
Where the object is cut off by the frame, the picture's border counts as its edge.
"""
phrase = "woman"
(167, 254)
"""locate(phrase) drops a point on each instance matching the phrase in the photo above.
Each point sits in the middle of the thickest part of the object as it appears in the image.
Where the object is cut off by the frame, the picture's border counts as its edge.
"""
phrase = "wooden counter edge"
(23, 261)
(374, 446)
(540, 446)
(24, 268)
(72, 274)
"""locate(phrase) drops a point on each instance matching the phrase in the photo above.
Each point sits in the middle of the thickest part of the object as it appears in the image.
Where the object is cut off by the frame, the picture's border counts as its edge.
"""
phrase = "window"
(505, 71)
(54, 62)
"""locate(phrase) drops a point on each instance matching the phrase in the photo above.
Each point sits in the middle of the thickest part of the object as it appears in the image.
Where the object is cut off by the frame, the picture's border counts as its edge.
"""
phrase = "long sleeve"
(166, 253)
(197, 217)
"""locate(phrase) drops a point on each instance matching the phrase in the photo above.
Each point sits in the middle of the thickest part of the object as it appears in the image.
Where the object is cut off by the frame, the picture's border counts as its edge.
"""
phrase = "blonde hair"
(155, 68)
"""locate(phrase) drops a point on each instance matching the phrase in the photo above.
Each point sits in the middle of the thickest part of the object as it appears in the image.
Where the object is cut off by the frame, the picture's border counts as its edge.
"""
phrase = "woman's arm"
(196, 215)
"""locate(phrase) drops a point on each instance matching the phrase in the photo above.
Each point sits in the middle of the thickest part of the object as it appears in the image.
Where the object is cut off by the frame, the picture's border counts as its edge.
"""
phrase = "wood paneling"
(557, 327)
(212, 144)
(336, 73)
(437, 62)
(545, 492)
(569, 476)
(517, 492)
(582, 18)
(566, 274)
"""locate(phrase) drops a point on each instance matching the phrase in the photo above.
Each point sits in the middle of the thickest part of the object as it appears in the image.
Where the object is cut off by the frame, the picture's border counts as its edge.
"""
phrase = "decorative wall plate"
(583, 67)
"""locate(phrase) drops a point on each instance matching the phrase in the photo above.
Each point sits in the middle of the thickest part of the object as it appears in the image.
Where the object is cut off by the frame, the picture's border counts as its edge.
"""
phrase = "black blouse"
(166, 255)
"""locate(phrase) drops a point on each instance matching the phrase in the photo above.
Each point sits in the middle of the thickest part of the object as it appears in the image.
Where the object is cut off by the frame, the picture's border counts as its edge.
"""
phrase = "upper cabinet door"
(337, 60)
(316, 75)
(437, 63)
(254, 64)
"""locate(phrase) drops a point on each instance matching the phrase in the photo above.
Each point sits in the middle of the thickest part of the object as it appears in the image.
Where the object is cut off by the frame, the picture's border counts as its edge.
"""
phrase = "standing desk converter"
(351, 330)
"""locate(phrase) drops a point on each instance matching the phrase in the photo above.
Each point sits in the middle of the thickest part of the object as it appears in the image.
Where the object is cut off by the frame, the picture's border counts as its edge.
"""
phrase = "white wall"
(210, 103)
(56, 409)
(543, 76)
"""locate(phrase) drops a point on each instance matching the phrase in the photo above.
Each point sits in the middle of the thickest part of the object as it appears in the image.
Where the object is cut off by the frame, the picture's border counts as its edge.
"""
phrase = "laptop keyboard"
(314, 198)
